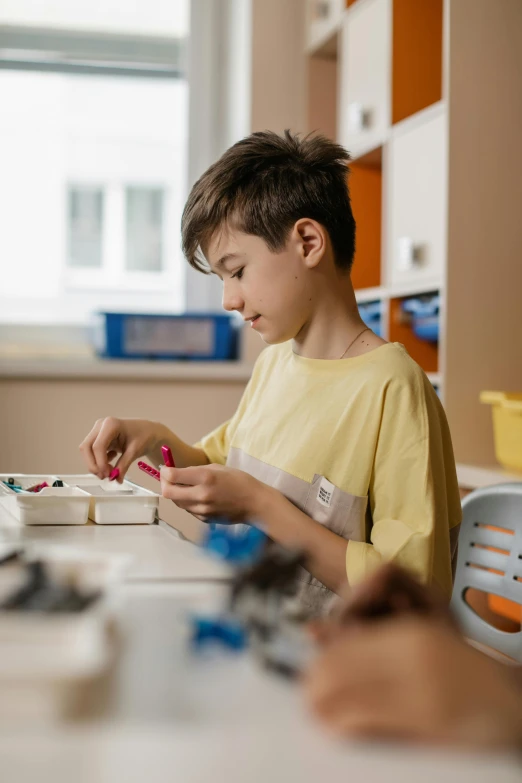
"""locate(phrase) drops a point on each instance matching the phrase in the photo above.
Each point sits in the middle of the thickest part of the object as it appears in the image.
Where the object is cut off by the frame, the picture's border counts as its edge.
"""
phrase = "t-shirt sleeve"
(413, 494)
(216, 444)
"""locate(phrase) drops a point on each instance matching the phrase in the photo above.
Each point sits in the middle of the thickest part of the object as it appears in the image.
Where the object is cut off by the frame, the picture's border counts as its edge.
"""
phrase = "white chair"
(478, 566)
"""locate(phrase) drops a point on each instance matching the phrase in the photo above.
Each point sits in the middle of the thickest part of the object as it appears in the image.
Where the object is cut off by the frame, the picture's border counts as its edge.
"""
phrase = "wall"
(42, 422)
(484, 283)
(278, 65)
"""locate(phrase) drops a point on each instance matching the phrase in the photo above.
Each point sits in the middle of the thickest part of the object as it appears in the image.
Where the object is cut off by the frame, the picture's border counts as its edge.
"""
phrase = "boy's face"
(270, 290)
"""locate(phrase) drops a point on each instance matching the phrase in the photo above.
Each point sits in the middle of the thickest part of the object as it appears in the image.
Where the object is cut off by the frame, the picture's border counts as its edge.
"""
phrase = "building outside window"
(93, 158)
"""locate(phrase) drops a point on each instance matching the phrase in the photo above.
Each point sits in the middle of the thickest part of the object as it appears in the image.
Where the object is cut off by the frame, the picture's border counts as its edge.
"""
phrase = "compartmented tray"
(47, 655)
(82, 497)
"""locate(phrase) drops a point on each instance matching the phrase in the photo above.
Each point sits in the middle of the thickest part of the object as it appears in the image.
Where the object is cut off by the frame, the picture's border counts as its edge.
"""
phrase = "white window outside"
(93, 160)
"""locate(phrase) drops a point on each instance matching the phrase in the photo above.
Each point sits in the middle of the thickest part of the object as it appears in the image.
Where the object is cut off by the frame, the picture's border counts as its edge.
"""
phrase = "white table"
(179, 718)
(157, 552)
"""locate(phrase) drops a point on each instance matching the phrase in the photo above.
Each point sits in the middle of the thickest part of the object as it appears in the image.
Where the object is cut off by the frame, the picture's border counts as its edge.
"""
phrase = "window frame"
(219, 43)
(112, 274)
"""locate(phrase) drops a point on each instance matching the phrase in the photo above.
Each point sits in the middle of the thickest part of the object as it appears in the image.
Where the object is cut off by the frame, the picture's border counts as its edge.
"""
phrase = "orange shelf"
(417, 56)
(365, 184)
(424, 353)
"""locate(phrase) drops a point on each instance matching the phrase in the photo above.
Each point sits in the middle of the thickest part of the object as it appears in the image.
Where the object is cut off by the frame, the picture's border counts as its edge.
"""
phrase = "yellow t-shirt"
(362, 446)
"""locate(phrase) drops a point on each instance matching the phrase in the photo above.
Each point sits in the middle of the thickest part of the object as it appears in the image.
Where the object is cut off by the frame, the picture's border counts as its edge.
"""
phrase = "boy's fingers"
(179, 493)
(88, 456)
(124, 462)
(87, 450)
(189, 477)
(170, 475)
(102, 445)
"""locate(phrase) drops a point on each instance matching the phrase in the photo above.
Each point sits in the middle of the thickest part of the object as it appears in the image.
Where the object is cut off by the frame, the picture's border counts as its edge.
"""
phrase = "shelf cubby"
(426, 354)
(417, 34)
(365, 184)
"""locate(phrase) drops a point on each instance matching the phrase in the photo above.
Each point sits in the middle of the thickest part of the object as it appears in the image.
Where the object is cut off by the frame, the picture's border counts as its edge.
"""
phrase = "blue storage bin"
(190, 337)
(371, 314)
(426, 329)
(424, 312)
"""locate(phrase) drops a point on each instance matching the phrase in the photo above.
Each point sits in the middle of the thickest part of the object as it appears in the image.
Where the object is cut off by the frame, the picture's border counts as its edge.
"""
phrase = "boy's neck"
(333, 325)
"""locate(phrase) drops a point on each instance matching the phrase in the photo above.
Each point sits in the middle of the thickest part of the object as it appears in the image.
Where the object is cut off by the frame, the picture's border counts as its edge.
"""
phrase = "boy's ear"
(310, 238)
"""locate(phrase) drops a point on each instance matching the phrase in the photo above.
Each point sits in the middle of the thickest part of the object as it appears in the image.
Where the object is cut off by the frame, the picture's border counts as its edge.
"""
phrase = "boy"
(339, 447)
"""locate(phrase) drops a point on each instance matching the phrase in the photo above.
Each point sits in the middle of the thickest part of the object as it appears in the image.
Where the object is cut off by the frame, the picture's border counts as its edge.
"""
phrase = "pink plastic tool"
(167, 457)
(37, 487)
(149, 470)
(115, 472)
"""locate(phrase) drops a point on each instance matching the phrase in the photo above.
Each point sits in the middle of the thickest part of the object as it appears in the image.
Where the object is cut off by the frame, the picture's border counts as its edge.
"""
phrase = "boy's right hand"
(110, 437)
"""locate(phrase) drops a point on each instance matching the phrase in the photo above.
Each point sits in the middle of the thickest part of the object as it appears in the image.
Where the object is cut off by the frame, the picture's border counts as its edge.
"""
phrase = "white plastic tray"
(116, 504)
(82, 497)
(44, 657)
(51, 506)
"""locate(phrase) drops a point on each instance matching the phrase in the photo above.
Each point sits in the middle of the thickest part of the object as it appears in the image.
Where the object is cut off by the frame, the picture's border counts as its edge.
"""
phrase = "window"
(93, 155)
(144, 222)
(85, 222)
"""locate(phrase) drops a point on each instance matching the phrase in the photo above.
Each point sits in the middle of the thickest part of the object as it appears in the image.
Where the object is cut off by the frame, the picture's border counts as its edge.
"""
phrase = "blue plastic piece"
(371, 314)
(225, 631)
(427, 329)
(232, 545)
(424, 313)
(422, 307)
(154, 336)
(14, 487)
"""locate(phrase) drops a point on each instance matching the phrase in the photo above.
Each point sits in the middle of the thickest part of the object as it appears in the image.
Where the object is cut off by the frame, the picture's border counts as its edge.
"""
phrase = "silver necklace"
(366, 329)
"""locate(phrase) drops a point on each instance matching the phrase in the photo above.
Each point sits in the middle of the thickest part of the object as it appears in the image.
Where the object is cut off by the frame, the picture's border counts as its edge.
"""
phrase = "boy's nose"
(232, 300)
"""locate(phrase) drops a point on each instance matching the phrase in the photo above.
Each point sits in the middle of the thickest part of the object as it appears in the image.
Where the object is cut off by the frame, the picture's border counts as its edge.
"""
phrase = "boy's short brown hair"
(266, 182)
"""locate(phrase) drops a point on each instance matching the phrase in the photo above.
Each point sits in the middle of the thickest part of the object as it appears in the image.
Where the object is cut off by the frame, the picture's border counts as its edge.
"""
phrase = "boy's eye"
(239, 273)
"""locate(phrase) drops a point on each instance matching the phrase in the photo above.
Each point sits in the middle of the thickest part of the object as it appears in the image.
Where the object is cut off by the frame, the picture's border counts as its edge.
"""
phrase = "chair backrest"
(490, 559)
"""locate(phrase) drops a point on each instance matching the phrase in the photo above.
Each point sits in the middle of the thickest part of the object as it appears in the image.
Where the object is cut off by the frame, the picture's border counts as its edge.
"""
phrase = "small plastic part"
(424, 314)
(10, 557)
(231, 546)
(37, 487)
(371, 314)
(57, 483)
(115, 472)
(149, 470)
(13, 487)
(41, 594)
(224, 630)
(167, 457)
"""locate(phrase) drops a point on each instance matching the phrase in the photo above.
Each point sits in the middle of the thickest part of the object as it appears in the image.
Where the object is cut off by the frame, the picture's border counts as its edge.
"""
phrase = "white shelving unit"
(413, 90)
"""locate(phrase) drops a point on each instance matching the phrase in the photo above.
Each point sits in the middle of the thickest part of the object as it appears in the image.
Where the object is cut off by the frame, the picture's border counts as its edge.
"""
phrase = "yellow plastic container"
(507, 426)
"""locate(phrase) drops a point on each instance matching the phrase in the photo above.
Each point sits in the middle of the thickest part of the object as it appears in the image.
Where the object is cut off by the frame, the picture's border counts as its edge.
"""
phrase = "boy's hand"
(411, 678)
(213, 491)
(111, 437)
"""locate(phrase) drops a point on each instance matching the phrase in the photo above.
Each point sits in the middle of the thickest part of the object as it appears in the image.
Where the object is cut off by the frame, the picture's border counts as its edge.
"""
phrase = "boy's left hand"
(212, 491)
